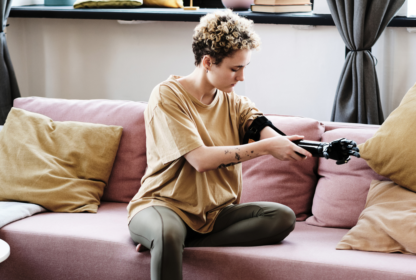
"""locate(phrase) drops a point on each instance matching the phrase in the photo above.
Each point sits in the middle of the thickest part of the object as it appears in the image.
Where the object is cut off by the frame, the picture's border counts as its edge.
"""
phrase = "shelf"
(165, 14)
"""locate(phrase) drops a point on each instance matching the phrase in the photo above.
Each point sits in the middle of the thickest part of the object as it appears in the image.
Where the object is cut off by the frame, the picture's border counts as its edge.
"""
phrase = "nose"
(240, 76)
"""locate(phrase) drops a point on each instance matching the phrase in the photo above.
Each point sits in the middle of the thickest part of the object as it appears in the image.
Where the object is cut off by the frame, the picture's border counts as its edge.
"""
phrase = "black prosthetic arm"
(339, 150)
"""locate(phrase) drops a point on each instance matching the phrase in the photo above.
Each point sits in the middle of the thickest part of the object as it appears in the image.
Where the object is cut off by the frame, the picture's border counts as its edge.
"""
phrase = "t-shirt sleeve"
(173, 132)
(247, 111)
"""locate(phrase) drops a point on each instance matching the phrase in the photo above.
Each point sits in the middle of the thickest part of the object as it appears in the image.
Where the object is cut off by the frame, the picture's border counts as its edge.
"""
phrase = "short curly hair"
(222, 33)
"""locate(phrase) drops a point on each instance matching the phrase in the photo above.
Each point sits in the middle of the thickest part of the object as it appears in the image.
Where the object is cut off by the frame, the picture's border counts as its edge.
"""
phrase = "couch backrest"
(130, 162)
(334, 125)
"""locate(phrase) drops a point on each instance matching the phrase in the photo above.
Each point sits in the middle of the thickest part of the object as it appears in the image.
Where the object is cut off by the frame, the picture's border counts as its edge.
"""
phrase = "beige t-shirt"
(177, 123)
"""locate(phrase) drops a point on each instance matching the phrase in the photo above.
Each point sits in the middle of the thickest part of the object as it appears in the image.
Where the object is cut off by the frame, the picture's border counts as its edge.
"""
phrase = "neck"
(199, 86)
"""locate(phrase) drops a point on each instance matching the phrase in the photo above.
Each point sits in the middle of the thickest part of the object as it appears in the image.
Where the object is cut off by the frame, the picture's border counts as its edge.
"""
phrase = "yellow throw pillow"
(391, 151)
(387, 223)
(81, 4)
(62, 166)
(163, 3)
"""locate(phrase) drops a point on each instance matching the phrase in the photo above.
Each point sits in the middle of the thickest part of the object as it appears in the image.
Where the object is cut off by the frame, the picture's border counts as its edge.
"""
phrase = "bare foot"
(140, 248)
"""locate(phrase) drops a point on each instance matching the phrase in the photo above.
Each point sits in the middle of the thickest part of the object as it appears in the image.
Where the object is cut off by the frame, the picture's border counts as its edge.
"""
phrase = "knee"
(285, 219)
(172, 238)
(170, 241)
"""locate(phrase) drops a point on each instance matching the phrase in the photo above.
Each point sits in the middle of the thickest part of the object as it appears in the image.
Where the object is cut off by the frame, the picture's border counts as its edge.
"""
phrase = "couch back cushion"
(341, 191)
(130, 162)
(289, 183)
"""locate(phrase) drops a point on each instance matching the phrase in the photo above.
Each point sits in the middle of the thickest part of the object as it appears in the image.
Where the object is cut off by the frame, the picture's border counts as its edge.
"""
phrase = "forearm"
(220, 157)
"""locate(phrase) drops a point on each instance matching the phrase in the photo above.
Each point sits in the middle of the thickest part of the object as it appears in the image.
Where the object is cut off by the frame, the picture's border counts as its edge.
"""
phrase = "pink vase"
(238, 5)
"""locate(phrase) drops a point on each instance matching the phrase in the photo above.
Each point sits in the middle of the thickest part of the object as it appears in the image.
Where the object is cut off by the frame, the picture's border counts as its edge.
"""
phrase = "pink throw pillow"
(341, 192)
(289, 183)
(130, 162)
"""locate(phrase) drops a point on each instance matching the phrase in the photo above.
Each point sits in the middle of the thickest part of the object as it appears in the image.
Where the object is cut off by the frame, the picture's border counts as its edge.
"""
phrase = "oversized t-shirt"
(177, 123)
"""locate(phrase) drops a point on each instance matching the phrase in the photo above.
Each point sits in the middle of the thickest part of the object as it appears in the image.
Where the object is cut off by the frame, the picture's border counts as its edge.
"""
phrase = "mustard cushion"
(387, 223)
(80, 4)
(62, 166)
(391, 151)
(163, 3)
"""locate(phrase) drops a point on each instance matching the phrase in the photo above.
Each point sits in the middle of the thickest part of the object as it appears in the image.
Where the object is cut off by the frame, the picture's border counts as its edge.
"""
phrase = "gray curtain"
(8, 83)
(360, 23)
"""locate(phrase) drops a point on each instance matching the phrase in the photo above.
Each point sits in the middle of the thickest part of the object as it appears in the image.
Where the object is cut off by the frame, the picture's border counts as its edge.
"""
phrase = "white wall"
(296, 72)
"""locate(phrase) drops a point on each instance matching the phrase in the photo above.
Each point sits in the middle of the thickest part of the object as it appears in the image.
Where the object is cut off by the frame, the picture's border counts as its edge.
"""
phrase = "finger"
(354, 153)
(301, 155)
(303, 152)
(289, 158)
(346, 141)
(296, 157)
(295, 137)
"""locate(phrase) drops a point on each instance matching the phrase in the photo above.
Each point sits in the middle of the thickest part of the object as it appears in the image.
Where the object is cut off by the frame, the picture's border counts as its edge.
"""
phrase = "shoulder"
(166, 92)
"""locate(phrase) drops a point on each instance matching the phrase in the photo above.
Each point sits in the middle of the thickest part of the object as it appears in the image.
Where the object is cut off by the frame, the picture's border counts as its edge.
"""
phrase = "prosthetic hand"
(339, 150)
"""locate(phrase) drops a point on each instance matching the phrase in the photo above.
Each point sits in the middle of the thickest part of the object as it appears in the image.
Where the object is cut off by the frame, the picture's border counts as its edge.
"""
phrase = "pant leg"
(248, 224)
(162, 231)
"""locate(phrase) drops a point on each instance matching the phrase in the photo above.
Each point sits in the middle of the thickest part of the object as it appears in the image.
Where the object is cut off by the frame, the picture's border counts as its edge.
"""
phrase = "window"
(411, 9)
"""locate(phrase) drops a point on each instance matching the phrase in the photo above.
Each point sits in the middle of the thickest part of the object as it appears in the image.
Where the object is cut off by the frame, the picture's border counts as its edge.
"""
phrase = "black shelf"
(164, 14)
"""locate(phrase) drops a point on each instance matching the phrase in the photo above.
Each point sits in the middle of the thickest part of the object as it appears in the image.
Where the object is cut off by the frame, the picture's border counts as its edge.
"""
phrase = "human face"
(231, 70)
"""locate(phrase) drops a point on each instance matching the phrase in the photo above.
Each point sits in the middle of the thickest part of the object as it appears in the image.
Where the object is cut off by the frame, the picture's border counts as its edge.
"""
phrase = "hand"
(341, 150)
(282, 148)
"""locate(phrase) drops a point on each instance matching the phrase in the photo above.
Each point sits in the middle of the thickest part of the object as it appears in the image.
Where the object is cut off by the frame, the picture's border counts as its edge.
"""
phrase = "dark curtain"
(8, 83)
(360, 24)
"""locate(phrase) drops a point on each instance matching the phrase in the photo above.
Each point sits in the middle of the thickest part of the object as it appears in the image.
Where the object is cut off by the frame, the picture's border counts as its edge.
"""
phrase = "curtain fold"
(9, 89)
(360, 24)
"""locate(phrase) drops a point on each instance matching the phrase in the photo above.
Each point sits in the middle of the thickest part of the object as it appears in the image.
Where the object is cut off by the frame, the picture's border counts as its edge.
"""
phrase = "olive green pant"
(249, 224)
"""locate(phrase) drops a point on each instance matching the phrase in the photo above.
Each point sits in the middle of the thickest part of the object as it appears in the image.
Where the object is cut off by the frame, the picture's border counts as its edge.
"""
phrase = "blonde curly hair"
(222, 33)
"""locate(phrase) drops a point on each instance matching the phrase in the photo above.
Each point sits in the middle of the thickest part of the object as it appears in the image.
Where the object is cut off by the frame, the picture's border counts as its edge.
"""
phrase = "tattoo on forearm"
(230, 164)
(237, 157)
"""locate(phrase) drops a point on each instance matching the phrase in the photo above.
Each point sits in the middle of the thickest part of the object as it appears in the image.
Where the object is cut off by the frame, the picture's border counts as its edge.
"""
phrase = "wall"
(296, 72)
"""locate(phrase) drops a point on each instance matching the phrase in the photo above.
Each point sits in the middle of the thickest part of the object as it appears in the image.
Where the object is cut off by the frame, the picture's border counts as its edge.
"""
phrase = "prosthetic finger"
(339, 162)
(356, 154)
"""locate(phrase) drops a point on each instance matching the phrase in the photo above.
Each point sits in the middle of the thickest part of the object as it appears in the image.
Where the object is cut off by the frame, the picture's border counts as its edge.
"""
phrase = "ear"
(207, 62)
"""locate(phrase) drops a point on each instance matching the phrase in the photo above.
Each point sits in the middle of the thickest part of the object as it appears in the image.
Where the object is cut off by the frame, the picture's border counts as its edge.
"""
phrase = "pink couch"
(326, 198)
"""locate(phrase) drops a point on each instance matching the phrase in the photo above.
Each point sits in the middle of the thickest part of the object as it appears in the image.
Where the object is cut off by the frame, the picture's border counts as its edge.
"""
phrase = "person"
(195, 124)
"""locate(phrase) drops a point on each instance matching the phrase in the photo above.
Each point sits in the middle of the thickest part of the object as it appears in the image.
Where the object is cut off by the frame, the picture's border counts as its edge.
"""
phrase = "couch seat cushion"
(98, 246)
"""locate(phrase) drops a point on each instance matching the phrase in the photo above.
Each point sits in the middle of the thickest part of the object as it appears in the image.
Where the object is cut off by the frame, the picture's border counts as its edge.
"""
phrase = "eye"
(234, 70)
